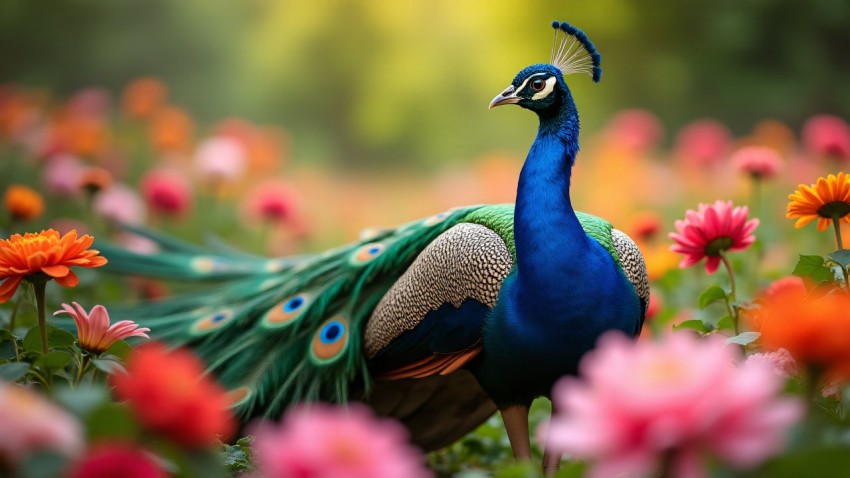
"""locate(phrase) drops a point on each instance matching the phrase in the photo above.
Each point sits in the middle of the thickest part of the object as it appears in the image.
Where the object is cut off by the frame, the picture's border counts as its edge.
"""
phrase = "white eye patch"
(550, 85)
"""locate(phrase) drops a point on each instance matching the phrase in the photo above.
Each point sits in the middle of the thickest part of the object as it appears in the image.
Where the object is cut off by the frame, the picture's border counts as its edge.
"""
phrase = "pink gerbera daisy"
(93, 329)
(711, 230)
(757, 161)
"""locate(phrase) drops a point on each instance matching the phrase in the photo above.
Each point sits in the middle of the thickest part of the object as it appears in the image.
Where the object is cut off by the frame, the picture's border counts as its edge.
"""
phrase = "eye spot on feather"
(330, 340)
(366, 253)
(275, 265)
(238, 396)
(212, 321)
(436, 218)
(287, 311)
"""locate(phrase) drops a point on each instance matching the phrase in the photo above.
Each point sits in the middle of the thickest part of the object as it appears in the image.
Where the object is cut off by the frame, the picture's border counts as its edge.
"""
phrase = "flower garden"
(742, 367)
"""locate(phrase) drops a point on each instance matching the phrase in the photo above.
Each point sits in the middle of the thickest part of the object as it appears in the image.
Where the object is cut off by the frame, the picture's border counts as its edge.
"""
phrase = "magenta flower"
(827, 135)
(636, 130)
(323, 442)
(711, 230)
(220, 159)
(108, 460)
(62, 174)
(29, 423)
(757, 161)
(272, 201)
(703, 142)
(168, 192)
(641, 404)
(120, 203)
(93, 329)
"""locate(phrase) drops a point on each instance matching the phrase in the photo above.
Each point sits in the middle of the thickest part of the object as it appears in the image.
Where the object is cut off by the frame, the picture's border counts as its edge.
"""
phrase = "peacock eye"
(538, 84)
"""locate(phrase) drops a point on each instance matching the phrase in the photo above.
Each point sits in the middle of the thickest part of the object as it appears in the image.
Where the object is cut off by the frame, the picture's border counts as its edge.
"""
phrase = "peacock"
(439, 322)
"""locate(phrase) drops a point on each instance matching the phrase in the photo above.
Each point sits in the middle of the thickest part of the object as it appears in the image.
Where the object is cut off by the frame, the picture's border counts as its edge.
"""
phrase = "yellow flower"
(23, 203)
(825, 201)
(45, 254)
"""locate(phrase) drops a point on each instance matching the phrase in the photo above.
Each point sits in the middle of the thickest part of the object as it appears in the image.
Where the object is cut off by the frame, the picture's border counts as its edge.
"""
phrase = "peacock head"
(541, 87)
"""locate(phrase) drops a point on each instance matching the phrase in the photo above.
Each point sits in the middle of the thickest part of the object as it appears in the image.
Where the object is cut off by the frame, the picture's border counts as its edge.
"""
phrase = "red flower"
(827, 135)
(703, 142)
(112, 460)
(167, 192)
(169, 393)
(757, 161)
(636, 130)
(711, 230)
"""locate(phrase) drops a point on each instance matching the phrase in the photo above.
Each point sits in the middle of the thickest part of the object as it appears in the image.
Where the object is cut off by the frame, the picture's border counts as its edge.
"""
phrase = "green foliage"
(239, 457)
(694, 324)
(744, 338)
(814, 268)
(711, 295)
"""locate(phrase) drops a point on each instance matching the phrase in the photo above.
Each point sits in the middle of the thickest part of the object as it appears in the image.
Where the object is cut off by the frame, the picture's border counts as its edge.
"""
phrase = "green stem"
(81, 370)
(837, 226)
(731, 298)
(12, 320)
(39, 288)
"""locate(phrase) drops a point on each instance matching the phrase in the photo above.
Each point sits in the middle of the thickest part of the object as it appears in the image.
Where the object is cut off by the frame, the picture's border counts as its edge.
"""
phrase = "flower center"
(834, 210)
(718, 245)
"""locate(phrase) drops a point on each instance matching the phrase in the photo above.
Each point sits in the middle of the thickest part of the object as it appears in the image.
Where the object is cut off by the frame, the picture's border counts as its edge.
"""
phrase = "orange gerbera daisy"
(44, 255)
(825, 201)
(816, 331)
(23, 203)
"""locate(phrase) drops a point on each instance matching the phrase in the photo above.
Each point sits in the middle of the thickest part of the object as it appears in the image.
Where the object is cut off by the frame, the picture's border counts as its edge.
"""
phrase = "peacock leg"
(551, 460)
(516, 424)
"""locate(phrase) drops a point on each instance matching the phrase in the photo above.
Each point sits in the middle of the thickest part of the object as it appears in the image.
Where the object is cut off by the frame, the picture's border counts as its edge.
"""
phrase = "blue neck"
(549, 238)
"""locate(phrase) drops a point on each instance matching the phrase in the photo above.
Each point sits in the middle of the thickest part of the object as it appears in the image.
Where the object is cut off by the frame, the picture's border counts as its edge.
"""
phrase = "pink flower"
(757, 161)
(320, 441)
(711, 230)
(220, 159)
(272, 201)
(636, 130)
(779, 362)
(827, 135)
(680, 398)
(62, 175)
(28, 422)
(93, 329)
(109, 460)
(167, 192)
(120, 203)
(703, 142)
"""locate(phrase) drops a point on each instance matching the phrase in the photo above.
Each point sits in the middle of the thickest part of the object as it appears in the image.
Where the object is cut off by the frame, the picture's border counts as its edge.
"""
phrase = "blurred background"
(287, 127)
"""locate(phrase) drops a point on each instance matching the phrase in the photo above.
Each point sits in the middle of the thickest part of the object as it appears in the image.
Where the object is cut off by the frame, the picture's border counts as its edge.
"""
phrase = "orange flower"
(23, 203)
(95, 179)
(143, 97)
(169, 393)
(825, 201)
(816, 331)
(46, 254)
(171, 130)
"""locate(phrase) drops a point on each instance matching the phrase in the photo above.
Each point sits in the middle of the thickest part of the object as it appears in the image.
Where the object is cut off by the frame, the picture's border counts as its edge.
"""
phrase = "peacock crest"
(573, 52)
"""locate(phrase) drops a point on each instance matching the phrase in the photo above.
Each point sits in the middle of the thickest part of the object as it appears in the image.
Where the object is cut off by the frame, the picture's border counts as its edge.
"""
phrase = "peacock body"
(438, 322)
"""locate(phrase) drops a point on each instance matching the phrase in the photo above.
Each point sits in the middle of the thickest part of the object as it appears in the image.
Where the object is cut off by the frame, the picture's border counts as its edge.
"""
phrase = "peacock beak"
(506, 97)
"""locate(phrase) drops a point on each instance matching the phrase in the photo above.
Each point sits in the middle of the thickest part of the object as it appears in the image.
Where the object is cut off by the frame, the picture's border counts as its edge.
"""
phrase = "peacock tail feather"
(280, 331)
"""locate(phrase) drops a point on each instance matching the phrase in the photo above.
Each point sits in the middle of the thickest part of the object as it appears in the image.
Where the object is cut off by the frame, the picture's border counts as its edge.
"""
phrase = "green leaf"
(725, 323)
(43, 464)
(54, 360)
(813, 267)
(111, 421)
(744, 338)
(56, 338)
(13, 371)
(82, 399)
(694, 324)
(120, 349)
(841, 257)
(710, 296)
(823, 462)
(7, 350)
(108, 366)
